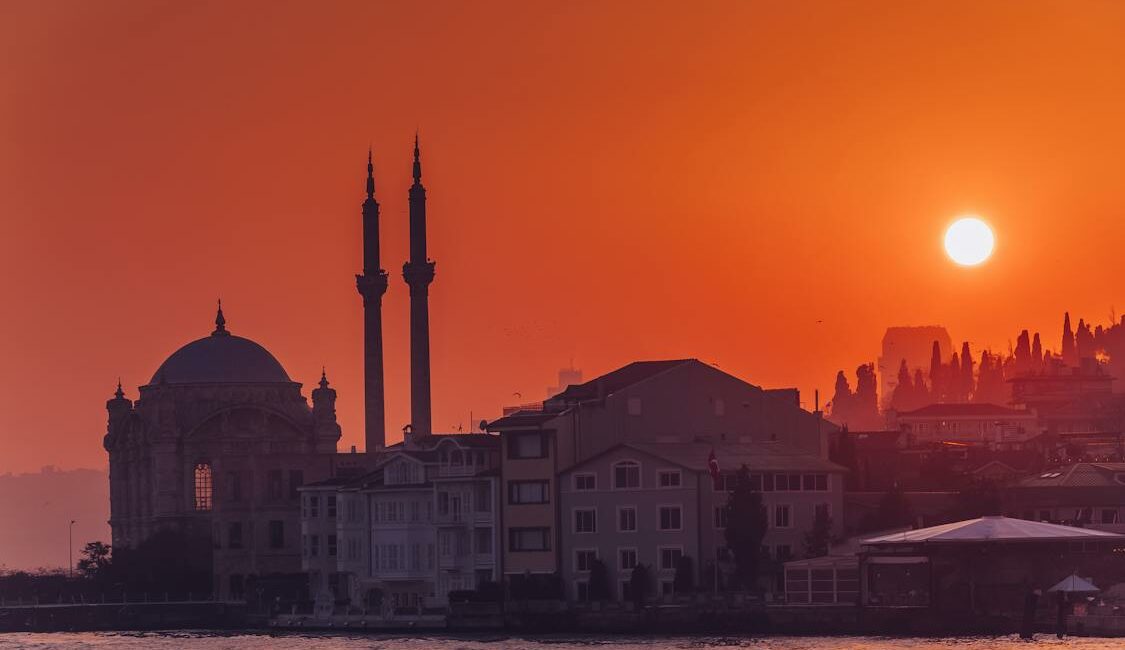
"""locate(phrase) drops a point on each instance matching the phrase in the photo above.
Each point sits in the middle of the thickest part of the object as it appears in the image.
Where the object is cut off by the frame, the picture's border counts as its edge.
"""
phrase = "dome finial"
(119, 393)
(220, 322)
(323, 377)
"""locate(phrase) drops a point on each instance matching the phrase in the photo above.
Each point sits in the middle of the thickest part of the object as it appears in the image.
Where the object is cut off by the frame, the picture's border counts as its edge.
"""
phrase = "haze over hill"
(37, 510)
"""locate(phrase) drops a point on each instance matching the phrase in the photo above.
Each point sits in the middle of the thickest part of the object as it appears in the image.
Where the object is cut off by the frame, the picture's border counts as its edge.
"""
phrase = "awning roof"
(994, 529)
(1074, 584)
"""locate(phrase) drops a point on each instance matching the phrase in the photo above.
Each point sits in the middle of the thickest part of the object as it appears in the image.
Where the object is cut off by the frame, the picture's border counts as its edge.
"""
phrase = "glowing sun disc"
(969, 241)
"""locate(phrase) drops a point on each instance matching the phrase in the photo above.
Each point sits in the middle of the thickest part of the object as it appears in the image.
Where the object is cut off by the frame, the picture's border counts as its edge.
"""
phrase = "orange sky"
(607, 182)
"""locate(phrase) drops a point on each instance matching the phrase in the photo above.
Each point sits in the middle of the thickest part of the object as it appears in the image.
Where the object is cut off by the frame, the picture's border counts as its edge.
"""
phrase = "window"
(781, 517)
(1045, 515)
(585, 520)
(275, 484)
(821, 483)
(627, 474)
(236, 585)
(720, 407)
(581, 591)
(669, 478)
(822, 511)
(331, 501)
(277, 534)
(634, 405)
(483, 542)
(529, 539)
(584, 559)
(331, 546)
(234, 535)
(626, 559)
(670, 557)
(1109, 516)
(720, 517)
(671, 518)
(784, 553)
(808, 482)
(627, 519)
(234, 487)
(296, 480)
(525, 492)
(482, 498)
(584, 482)
(314, 506)
(724, 484)
(203, 488)
(527, 445)
(314, 545)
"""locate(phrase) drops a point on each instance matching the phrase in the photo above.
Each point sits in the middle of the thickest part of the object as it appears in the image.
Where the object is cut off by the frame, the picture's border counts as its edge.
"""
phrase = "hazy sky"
(608, 181)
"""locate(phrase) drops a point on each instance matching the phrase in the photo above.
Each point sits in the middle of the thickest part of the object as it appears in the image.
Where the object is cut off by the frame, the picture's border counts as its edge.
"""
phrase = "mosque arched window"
(204, 491)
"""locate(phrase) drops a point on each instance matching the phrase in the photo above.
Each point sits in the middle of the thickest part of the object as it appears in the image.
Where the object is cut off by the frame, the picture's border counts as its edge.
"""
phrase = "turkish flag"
(713, 467)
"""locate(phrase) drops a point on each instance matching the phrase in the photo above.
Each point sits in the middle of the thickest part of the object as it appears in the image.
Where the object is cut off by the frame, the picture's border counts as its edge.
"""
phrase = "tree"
(746, 527)
(1068, 353)
(599, 581)
(639, 584)
(937, 380)
(819, 538)
(903, 397)
(684, 582)
(966, 372)
(866, 400)
(841, 399)
(95, 562)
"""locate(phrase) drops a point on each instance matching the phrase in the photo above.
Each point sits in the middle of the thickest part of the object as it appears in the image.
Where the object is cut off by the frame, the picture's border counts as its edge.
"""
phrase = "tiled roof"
(992, 529)
(1078, 475)
(756, 456)
(963, 410)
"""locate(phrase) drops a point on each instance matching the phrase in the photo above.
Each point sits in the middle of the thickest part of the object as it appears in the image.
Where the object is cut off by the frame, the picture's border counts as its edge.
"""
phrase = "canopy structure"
(1072, 584)
(994, 529)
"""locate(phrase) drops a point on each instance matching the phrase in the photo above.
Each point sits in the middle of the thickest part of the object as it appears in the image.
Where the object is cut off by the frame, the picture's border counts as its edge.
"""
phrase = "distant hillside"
(36, 510)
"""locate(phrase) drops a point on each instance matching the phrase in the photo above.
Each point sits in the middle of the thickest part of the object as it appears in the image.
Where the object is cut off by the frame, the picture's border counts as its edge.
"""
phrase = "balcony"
(459, 470)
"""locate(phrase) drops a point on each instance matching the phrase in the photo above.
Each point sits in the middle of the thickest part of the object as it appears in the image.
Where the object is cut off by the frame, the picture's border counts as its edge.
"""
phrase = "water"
(192, 640)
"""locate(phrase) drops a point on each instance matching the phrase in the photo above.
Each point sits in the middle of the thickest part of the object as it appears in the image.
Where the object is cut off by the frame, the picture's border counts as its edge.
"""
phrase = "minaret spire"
(419, 273)
(370, 176)
(417, 161)
(372, 284)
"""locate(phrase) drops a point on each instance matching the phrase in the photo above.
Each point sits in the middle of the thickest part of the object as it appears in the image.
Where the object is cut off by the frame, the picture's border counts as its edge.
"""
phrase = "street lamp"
(70, 550)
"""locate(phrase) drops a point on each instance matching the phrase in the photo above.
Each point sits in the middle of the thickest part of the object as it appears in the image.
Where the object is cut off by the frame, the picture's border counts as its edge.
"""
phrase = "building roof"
(992, 529)
(221, 358)
(623, 377)
(1079, 475)
(756, 456)
(521, 419)
(964, 410)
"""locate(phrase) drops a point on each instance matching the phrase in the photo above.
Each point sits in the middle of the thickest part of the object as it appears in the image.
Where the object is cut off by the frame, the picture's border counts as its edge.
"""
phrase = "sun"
(969, 241)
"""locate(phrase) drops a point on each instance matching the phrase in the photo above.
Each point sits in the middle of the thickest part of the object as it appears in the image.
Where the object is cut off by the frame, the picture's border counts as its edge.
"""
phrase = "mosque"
(221, 438)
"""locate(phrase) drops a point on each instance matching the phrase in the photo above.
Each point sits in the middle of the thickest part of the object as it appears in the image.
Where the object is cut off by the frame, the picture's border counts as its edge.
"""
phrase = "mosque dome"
(221, 358)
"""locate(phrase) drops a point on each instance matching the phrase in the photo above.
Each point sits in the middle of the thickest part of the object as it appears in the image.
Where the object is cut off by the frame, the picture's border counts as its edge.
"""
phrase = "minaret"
(372, 284)
(419, 273)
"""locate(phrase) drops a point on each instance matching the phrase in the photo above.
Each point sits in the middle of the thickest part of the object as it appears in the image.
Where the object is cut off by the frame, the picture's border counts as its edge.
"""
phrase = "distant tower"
(419, 273)
(372, 284)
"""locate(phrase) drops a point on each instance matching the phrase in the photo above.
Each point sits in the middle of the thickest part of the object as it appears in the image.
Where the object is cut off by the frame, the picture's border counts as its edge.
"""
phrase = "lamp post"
(70, 550)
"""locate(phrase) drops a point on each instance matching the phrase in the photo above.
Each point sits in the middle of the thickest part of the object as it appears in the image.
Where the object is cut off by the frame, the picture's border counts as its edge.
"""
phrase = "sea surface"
(194, 640)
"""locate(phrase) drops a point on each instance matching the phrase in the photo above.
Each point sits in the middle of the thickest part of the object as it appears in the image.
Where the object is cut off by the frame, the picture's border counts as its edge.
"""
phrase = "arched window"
(203, 488)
